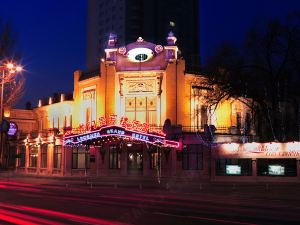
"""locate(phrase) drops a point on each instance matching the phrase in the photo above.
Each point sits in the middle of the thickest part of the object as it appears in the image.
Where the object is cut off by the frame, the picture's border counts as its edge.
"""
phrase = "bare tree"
(13, 83)
(265, 70)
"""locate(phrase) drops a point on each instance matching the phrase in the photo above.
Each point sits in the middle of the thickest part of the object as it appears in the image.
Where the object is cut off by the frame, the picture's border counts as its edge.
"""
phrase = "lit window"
(44, 156)
(80, 158)
(57, 157)
(33, 155)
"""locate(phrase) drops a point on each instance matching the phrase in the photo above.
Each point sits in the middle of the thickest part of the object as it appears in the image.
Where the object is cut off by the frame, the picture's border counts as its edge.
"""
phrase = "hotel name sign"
(108, 131)
(112, 120)
(258, 150)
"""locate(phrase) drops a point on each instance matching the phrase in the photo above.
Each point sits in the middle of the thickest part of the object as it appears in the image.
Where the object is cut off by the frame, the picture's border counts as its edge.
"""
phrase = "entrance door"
(135, 161)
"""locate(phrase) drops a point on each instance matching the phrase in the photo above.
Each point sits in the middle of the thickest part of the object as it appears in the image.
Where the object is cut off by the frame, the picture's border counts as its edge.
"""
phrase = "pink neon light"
(135, 125)
(165, 142)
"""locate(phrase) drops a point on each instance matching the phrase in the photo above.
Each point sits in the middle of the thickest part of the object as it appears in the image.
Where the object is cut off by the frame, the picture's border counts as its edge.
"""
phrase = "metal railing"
(219, 130)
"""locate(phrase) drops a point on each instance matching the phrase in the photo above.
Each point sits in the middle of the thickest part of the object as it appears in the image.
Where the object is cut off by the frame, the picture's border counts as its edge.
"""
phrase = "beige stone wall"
(57, 114)
(25, 119)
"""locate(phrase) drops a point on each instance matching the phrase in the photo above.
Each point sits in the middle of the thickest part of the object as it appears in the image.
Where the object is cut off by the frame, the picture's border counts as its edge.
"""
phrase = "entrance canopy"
(119, 131)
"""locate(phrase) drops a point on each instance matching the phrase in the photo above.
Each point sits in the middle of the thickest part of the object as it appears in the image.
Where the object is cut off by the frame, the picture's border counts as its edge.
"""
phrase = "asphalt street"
(29, 201)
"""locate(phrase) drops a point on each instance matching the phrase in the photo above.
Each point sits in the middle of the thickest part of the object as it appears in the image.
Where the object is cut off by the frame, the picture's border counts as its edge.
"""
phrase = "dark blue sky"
(52, 35)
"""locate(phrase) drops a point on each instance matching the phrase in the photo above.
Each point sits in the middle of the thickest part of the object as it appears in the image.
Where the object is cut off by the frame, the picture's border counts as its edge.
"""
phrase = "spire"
(171, 39)
(112, 40)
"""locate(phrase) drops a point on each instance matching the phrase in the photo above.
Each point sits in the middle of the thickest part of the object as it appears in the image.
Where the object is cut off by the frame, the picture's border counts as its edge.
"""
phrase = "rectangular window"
(57, 157)
(80, 158)
(44, 156)
(142, 109)
(192, 157)
(33, 155)
(277, 167)
(234, 167)
(114, 157)
(22, 156)
(88, 105)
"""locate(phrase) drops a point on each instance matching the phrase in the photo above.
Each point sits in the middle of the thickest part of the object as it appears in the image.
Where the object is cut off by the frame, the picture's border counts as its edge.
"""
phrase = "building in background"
(129, 19)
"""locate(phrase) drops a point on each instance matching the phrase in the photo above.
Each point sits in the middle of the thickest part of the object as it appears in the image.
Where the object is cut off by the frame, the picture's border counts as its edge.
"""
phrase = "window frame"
(33, 163)
(44, 154)
(56, 156)
(78, 152)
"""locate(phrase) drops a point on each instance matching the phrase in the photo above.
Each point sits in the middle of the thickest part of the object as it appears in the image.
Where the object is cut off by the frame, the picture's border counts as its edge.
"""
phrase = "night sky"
(52, 35)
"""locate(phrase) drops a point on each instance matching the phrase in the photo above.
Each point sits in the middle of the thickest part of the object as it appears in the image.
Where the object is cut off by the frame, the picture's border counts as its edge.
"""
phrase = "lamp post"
(8, 68)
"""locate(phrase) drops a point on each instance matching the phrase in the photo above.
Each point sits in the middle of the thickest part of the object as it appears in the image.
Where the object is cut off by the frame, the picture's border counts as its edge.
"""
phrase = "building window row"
(33, 156)
(265, 167)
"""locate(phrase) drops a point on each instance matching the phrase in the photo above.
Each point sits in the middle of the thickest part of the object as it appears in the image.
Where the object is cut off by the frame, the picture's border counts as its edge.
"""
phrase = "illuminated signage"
(87, 137)
(122, 132)
(112, 120)
(276, 170)
(233, 170)
(13, 129)
(259, 150)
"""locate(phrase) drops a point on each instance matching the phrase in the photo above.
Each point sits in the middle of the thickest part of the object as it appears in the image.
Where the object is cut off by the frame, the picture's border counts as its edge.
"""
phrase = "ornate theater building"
(140, 114)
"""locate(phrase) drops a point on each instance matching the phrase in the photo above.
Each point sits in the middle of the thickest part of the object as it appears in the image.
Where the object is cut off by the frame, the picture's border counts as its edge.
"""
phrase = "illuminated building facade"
(141, 113)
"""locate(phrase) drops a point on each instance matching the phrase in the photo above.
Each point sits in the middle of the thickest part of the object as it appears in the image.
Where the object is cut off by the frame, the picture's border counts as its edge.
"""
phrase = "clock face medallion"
(140, 54)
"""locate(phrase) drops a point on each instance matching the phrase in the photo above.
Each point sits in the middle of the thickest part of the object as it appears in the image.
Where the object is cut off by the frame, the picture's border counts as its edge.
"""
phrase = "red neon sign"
(124, 122)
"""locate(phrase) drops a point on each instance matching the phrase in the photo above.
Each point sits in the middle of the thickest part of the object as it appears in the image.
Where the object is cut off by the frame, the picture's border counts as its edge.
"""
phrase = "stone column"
(50, 154)
(27, 159)
(17, 162)
(38, 164)
(63, 161)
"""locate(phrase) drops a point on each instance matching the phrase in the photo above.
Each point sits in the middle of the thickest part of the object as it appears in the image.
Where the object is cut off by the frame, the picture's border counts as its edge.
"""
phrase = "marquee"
(115, 130)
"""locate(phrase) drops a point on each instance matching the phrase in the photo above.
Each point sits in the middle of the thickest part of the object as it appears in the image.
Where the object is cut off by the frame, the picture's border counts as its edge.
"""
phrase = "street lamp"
(8, 68)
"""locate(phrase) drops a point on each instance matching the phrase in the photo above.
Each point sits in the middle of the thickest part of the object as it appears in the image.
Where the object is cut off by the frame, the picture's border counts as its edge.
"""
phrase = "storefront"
(119, 149)
(256, 162)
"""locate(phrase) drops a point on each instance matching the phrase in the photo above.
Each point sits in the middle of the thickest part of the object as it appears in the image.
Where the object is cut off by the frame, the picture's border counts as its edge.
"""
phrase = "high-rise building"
(150, 19)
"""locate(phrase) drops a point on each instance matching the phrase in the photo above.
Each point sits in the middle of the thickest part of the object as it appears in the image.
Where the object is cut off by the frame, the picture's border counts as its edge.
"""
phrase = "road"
(29, 201)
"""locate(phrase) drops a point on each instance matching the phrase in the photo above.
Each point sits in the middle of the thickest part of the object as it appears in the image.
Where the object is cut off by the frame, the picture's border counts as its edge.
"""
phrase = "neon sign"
(13, 129)
(112, 120)
(259, 150)
(108, 131)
